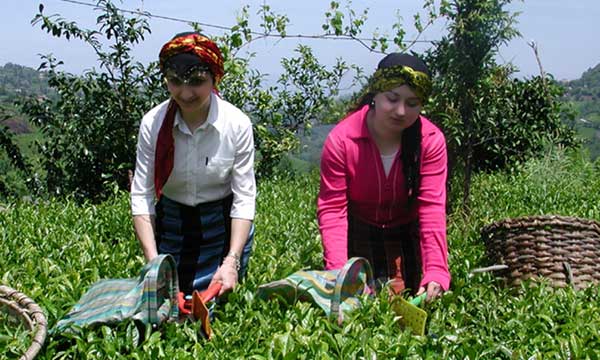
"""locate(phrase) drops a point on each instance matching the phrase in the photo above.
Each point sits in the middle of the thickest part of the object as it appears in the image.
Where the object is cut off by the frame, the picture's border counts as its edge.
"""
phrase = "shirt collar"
(213, 119)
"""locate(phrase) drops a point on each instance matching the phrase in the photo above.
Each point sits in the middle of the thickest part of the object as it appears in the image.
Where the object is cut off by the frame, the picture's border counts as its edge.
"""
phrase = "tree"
(517, 119)
(15, 163)
(490, 121)
(90, 130)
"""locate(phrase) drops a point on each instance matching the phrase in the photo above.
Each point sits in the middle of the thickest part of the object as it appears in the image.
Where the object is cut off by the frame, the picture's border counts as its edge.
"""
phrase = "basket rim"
(542, 220)
(31, 313)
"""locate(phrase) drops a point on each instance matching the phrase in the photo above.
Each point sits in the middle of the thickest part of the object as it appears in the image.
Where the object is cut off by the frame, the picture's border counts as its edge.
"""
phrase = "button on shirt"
(210, 164)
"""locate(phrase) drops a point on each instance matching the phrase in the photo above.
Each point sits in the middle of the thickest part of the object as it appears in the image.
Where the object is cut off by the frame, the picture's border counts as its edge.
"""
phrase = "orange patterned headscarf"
(199, 45)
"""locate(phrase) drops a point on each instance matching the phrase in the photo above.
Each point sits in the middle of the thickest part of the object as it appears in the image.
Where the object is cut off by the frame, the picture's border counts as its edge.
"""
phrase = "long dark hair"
(411, 150)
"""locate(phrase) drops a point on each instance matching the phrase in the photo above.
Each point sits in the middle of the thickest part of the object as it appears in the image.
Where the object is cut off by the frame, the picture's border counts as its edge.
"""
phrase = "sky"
(566, 32)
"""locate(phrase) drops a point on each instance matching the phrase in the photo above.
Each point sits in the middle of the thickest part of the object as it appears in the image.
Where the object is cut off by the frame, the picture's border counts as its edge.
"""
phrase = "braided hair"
(411, 160)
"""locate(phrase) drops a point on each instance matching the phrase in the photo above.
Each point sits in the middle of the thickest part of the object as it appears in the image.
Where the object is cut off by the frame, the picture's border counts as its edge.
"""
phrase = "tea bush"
(53, 251)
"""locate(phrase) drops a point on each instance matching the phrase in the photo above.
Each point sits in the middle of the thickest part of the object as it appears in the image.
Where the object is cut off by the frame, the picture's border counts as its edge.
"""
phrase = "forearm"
(334, 237)
(240, 230)
(332, 205)
(144, 230)
(432, 214)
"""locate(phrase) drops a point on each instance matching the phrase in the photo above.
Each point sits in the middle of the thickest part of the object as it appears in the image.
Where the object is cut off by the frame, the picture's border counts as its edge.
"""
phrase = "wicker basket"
(30, 313)
(566, 250)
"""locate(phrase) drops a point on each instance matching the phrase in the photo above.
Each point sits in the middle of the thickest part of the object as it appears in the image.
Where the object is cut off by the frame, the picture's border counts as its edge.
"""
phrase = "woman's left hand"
(434, 290)
(227, 275)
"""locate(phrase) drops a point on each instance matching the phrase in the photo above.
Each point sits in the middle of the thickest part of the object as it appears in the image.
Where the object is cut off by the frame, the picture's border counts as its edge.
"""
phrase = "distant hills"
(17, 80)
(587, 87)
(584, 94)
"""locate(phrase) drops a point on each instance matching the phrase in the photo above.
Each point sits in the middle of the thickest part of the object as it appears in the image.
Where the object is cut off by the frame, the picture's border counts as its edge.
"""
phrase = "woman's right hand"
(434, 290)
(227, 275)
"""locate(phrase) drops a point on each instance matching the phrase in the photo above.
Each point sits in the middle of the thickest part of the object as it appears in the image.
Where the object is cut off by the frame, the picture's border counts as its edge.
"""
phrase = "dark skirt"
(198, 238)
(394, 253)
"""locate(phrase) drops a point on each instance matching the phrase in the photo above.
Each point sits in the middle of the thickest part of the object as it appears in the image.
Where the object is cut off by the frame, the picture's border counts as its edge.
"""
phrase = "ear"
(212, 78)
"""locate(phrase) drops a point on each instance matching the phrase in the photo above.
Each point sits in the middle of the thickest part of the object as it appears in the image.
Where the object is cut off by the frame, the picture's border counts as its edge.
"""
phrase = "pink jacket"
(353, 179)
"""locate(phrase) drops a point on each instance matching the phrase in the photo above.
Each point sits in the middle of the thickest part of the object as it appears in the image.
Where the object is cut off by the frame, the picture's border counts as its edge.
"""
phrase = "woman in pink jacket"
(383, 183)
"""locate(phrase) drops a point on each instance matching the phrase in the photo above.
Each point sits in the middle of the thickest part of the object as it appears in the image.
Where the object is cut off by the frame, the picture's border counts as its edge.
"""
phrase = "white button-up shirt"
(210, 164)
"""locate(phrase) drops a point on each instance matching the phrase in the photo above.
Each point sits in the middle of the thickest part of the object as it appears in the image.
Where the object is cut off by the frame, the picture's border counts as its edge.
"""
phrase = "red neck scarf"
(164, 156)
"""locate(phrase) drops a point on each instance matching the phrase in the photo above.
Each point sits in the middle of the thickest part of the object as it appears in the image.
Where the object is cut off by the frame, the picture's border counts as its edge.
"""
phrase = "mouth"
(188, 102)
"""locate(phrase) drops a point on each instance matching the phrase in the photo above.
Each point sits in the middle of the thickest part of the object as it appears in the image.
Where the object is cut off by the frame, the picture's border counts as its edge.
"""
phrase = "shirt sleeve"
(432, 212)
(332, 205)
(142, 187)
(243, 183)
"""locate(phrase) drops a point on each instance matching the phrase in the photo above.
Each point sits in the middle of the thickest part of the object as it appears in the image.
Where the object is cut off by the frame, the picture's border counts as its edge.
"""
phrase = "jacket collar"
(361, 131)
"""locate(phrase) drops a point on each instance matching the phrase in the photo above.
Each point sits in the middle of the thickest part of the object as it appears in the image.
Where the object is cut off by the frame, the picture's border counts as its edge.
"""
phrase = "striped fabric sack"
(150, 299)
(334, 291)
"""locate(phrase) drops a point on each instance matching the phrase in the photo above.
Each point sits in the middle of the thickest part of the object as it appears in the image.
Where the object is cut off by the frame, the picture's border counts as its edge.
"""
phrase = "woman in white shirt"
(193, 192)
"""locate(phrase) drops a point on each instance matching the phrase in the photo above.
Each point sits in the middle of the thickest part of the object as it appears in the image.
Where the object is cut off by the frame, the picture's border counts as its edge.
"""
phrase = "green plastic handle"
(417, 301)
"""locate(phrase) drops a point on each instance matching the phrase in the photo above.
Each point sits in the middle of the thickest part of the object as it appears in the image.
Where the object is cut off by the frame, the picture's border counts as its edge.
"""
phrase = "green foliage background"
(55, 250)
(89, 129)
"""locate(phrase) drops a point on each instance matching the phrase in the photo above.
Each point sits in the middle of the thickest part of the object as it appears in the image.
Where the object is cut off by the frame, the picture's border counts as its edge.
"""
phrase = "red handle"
(185, 306)
(211, 292)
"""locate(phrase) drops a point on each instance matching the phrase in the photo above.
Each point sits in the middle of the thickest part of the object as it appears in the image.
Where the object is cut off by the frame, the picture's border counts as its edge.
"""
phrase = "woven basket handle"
(341, 280)
(151, 285)
(566, 267)
(495, 267)
(568, 273)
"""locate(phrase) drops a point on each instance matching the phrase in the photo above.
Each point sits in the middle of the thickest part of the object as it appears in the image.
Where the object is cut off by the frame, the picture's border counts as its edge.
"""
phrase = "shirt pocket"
(218, 169)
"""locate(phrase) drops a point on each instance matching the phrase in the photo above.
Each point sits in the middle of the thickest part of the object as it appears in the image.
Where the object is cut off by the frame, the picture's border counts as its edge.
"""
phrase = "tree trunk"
(467, 114)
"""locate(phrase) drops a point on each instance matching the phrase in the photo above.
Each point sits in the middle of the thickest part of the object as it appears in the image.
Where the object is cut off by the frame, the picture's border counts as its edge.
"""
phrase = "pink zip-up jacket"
(353, 180)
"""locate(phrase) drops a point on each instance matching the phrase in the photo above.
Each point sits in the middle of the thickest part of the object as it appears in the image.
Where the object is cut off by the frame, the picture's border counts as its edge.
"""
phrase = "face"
(191, 93)
(396, 109)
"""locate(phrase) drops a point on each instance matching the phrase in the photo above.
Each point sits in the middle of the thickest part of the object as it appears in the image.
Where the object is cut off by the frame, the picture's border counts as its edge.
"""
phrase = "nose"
(400, 108)
(186, 92)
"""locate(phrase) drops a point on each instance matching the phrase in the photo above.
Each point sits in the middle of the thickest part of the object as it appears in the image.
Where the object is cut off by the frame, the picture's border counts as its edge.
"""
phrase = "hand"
(434, 290)
(227, 275)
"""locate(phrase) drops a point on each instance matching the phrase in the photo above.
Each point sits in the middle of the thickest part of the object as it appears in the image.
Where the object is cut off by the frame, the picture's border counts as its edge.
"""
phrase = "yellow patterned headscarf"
(199, 45)
(385, 79)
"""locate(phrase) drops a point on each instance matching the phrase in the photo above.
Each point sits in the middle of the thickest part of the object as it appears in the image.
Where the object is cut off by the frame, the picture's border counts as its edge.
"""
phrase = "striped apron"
(198, 238)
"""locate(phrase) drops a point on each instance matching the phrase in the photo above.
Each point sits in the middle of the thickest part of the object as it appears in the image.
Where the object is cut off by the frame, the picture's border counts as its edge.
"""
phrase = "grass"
(53, 251)
(26, 143)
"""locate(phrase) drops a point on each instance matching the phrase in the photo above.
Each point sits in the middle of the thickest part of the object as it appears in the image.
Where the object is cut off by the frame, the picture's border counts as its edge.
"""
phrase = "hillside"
(17, 80)
(587, 87)
(584, 94)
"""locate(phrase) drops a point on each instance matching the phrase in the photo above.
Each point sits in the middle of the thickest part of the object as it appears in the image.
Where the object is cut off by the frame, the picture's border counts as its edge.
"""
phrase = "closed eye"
(392, 98)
